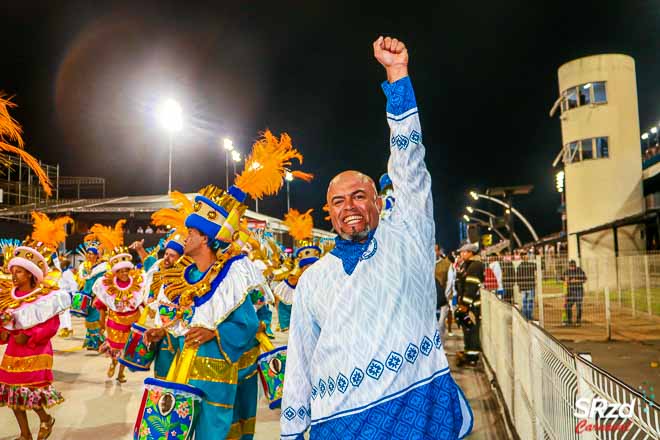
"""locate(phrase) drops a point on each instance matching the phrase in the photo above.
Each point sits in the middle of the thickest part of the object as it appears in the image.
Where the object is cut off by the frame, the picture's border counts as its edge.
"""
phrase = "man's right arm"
(303, 337)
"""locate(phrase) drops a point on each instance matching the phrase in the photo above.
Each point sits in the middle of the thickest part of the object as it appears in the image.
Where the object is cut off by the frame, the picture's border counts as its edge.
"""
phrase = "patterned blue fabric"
(400, 96)
(427, 412)
(351, 252)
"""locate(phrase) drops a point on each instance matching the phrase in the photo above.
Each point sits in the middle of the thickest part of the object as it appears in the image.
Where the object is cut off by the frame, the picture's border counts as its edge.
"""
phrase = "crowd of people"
(364, 350)
(460, 275)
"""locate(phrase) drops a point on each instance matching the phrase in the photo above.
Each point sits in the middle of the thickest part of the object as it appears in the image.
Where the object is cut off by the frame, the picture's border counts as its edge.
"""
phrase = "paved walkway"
(99, 408)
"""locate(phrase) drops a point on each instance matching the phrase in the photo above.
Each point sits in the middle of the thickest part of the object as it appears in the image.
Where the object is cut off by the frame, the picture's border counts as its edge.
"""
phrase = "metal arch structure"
(491, 216)
(490, 224)
(475, 195)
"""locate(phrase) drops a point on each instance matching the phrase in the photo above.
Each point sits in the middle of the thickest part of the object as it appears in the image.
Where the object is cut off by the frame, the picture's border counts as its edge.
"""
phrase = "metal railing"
(541, 382)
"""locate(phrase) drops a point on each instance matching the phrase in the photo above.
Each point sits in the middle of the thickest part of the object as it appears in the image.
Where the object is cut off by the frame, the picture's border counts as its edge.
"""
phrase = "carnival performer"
(171, 319)
(89, 271)
(29, 318)
(262, 303)
(68, 283)
(300, 228)
(118, 294)
(365, 354)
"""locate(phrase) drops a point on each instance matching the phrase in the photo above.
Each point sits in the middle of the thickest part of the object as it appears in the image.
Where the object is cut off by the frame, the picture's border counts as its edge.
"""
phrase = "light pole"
(170, 115)
(236, 157)
(288, 177)
(477, 196)
(560, 179)
(228, 146)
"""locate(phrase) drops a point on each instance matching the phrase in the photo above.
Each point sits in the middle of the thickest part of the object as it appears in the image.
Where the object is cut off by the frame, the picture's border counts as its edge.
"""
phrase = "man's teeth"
(353, 219)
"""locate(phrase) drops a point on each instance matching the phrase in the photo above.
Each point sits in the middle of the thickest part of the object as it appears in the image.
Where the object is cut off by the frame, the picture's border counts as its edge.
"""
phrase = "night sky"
(87, 78)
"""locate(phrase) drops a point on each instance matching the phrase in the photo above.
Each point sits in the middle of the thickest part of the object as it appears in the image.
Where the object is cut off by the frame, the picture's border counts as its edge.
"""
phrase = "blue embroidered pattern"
(426, 346)
(289, 413)
(342, 383)
(302, 412)
(411, 353)
(400, 96)
(424, 413)
(415, 137)
(376, 368)
(399, 141)
(394, 362)
(356, 377)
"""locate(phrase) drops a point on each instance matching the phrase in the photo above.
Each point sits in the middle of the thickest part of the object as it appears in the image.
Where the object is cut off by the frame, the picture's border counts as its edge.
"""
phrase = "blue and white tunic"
(365, 357)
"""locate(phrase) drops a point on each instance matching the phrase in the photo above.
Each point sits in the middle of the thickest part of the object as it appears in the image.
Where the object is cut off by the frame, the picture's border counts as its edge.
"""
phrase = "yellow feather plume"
(300, 225)
(33, 163)
(47, 231)
(307, 177)
(108, 236)
(9, 127)
(11, 130)
(267, 165)
(174, 217)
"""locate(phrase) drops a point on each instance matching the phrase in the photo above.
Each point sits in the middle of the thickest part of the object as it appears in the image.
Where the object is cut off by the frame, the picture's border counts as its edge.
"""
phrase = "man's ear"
(379, 203)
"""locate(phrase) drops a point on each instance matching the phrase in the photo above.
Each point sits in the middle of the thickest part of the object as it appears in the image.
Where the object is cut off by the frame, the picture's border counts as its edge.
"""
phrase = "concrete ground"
(98, 407)
(636, 363)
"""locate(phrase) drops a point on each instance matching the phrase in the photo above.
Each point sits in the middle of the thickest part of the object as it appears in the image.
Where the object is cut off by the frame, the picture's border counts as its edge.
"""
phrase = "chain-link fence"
(600, 298)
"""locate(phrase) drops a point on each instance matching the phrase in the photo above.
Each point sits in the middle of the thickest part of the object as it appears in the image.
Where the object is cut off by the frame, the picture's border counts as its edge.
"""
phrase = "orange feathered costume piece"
(267, 165)
(300, 225)
(11, 131)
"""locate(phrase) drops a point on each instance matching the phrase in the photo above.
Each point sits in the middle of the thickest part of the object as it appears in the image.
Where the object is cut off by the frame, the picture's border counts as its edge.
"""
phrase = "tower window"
(584, 94)
(587, 149)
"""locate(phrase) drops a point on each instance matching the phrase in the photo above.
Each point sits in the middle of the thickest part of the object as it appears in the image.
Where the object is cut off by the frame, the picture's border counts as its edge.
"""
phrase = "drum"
(80, 303)
(168, 411)
(136, 355)
(271, 367)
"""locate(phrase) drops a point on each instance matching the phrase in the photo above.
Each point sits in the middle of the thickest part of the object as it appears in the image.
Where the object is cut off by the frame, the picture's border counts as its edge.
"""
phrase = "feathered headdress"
(36, 250)
(174, 217)
(267, 165)
(47, 231)
(11, 131)
(112, 243)
(300, 225)
(108, 237)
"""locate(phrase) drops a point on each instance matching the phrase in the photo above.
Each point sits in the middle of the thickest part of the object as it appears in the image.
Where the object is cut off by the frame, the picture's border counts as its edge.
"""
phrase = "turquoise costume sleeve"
(149, 262)
(237, 332)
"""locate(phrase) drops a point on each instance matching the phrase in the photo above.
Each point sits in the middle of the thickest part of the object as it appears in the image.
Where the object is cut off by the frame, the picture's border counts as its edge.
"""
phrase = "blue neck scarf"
(350, 252)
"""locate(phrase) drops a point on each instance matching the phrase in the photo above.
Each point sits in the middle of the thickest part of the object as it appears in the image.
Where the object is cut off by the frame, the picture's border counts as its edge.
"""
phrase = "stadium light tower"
(170, 116)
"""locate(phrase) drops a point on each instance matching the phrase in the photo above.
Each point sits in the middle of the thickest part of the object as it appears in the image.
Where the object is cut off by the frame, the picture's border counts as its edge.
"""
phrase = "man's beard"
(356, 236)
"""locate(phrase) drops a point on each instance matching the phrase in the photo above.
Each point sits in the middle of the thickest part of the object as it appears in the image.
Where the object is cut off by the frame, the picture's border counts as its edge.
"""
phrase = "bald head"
(354, 205)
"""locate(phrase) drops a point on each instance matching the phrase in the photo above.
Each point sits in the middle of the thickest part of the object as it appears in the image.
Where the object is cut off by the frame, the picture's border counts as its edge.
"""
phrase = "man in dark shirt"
(574, 278)
(526, 276)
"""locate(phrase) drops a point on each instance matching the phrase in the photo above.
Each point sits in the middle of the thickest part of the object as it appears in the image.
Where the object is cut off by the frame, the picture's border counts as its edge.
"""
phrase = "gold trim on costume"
(124, 319)
(26, 364)
(117, 336)
(119, 294)
(213, 370)
(241, 428)
(219, 405)
(249, 358)
(7, 300)
(96, 325)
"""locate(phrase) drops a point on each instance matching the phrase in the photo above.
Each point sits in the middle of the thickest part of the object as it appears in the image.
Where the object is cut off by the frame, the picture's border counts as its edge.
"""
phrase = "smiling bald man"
(365, 357)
